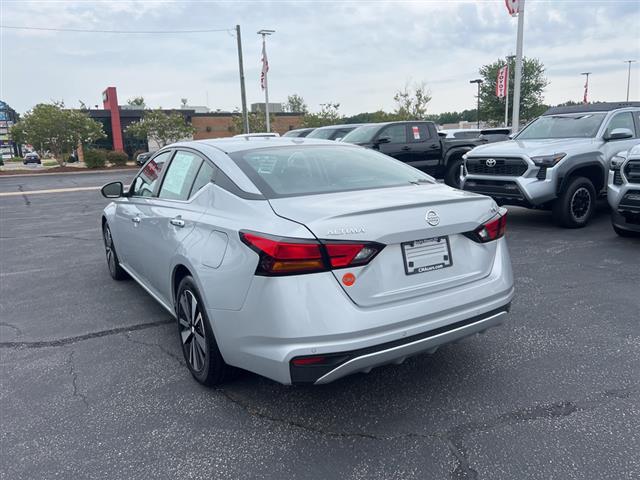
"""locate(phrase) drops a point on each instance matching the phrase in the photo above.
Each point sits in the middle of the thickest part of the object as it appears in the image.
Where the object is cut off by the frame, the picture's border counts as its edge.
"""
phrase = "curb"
(18, 175)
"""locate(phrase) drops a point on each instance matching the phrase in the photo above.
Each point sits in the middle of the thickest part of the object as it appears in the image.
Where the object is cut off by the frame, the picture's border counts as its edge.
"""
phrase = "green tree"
(161, 127)
(371, 117)
(295, 104)
(328, 115)
(411, 102)
(257, 122)
(49, 126)
(137, 102)
(531, 90)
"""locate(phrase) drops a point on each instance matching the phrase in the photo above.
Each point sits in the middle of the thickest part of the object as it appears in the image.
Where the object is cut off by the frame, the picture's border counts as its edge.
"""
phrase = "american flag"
(265, 66)
(586, 91)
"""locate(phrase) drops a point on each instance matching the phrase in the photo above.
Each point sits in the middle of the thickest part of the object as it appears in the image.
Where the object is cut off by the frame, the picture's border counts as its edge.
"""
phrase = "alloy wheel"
(192, 331)
(580, 204)
(108, 246)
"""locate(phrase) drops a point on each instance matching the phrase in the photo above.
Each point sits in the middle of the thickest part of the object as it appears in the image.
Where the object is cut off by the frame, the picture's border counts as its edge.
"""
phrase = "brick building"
(217, 125)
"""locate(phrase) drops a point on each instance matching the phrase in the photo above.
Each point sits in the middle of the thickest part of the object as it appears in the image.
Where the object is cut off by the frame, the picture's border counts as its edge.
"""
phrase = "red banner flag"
(502, 82)
(265, 66)
(512, 7)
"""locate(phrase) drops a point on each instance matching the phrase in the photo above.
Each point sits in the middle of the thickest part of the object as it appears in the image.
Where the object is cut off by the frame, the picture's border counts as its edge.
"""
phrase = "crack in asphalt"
(74, 380)
(180, 360)
(27, 202)
(453, 437)
(79, 338)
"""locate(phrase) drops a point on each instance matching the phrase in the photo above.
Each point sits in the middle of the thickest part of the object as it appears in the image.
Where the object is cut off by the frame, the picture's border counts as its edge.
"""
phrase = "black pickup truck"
(417, 144)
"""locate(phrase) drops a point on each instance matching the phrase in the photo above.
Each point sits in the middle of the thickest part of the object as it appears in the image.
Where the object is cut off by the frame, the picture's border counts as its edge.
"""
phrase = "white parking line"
(51, 190)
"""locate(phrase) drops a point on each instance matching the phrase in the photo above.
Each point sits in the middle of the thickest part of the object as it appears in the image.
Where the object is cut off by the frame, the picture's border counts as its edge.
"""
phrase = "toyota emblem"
(432, 218)
(491, 162)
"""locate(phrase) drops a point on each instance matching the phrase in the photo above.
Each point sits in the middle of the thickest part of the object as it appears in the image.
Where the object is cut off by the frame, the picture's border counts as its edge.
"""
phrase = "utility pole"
(243, 93)
(265, 71)
(515, 119)
(478, 81)
(585, 99)
(629, 76)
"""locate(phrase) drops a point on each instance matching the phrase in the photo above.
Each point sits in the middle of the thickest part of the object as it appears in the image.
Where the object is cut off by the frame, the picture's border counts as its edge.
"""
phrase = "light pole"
(585, 99)
(629, 76)
(510, 58)
(478, 81)
(265, 70)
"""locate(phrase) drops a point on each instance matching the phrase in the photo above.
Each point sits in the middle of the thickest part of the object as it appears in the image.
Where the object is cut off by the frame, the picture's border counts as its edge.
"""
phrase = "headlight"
(616, 162)
(548, 160)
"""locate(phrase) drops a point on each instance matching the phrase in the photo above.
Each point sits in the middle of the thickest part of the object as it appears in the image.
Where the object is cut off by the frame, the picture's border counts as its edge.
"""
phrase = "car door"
(132, 210)
(620, 120)
(425, 147)
(396, 145)
(173, 216)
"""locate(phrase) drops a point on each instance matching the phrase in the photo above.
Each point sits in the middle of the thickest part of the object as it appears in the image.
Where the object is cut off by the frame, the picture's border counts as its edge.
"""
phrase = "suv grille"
(511, 167)
(632, 171)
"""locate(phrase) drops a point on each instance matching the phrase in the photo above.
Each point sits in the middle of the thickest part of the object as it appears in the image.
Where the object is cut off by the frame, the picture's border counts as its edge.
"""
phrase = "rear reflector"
(289, 256)
(491, 230)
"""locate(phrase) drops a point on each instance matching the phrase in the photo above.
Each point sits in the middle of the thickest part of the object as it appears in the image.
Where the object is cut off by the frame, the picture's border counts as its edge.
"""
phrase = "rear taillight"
(491, 230)
(289, 256)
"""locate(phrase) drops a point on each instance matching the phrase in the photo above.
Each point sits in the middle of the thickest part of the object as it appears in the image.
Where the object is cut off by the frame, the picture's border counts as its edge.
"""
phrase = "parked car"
(623, 192)
(333, 132)
(417, 144)
(492, 135)
(32, 157)
(142, 158)
(257, 135)
(560, 161)
(299, 132)
(305, 260)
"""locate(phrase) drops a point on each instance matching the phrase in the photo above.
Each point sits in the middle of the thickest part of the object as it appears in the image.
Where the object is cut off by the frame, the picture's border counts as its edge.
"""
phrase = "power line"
(124, 32)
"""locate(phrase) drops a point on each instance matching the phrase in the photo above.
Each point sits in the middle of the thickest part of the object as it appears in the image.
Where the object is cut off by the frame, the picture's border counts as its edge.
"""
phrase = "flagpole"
(515, 119)
(265, 81)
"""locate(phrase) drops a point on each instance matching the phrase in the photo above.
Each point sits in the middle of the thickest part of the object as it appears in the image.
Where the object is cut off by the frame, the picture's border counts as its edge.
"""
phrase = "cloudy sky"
(356, 53)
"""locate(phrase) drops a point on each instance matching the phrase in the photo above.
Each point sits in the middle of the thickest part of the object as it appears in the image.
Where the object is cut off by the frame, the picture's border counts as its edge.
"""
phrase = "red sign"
(502, 82)
(512, 7)
(416, 133)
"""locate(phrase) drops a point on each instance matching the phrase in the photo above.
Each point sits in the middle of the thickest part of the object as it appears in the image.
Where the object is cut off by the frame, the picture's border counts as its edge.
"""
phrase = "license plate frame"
(438, 246)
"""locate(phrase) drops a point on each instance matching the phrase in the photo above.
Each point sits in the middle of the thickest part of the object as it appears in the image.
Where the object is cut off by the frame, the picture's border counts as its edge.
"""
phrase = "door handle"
(177, 222)
(135, 219)
(405, 148)
(433, 147)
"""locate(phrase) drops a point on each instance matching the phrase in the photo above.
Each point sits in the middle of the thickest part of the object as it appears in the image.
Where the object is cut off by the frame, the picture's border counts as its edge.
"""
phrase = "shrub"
(117, 158)
(94, 158)
(1, 161)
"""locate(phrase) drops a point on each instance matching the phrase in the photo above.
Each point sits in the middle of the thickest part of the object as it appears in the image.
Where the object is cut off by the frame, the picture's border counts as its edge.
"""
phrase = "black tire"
(625, 233)
(199, 347)
(452, 175)
(113, 263)
(575, 205)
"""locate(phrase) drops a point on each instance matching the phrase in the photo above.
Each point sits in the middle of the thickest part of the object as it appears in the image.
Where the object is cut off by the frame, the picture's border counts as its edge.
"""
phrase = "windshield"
(362, 134)
(582, 125)
(324, 133)
(310, 169)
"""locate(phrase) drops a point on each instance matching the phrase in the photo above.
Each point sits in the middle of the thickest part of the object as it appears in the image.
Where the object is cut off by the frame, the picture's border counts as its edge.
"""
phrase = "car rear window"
(308, 169)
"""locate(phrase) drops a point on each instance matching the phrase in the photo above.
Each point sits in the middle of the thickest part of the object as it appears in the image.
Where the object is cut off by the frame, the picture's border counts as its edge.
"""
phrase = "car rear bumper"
(309, 315)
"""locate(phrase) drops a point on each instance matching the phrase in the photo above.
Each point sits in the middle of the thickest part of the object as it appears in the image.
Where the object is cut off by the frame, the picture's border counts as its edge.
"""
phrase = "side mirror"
(383, 140)
(112, 190)
(618, 134)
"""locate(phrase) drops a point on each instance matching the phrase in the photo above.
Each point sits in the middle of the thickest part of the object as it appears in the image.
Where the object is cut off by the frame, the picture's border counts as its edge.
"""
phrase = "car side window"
(395, 133)
(204, 176)
(180, 175)
(417, 132)
(145, 183)
(621, 120)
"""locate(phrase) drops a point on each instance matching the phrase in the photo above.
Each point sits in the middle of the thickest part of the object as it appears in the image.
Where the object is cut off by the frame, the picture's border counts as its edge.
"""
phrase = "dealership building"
(116, 118)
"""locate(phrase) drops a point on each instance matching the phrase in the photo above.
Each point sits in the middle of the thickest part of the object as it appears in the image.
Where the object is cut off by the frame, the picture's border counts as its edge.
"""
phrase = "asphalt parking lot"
(94, 384)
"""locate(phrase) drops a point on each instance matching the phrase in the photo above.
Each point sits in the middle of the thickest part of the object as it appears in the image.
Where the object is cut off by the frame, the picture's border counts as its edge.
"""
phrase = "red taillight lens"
(288, 256)
(491, 230)
(304, 361)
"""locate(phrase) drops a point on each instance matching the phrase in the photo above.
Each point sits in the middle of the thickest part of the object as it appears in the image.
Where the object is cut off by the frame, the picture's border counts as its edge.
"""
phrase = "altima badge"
(432, 218)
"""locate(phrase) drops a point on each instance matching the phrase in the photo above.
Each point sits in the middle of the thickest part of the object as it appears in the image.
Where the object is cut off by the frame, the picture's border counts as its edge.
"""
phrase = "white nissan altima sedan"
(306, 260)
